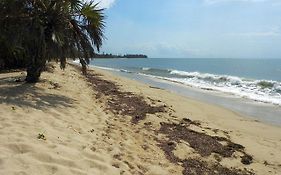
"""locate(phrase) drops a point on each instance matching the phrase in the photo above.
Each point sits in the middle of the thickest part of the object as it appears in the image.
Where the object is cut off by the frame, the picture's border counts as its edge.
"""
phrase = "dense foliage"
(35, 31)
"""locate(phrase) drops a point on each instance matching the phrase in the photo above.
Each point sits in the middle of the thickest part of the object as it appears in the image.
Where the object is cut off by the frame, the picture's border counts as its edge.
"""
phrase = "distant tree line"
(106, 55)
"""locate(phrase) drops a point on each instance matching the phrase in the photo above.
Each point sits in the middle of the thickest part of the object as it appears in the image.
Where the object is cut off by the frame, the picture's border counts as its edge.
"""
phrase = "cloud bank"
(249, 1)
(273, 32)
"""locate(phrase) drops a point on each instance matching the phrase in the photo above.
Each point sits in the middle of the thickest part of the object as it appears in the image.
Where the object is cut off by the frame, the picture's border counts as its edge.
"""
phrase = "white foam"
(107, 68)
(76, 61)
(237, 86)
(146, 68)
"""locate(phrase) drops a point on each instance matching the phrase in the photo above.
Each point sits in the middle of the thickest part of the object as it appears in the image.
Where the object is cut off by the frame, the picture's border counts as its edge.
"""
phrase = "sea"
(254, 81)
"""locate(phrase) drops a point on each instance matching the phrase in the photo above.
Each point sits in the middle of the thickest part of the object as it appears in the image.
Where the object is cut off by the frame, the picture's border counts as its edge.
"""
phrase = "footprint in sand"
(19, 148)
(93, 156)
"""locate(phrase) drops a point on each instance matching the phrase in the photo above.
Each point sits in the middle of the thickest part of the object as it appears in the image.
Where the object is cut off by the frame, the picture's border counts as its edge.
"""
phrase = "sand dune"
(63, 125)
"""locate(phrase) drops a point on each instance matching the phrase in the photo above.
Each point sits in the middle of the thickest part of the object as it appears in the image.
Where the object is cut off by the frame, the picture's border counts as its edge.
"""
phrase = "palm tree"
(52, 30)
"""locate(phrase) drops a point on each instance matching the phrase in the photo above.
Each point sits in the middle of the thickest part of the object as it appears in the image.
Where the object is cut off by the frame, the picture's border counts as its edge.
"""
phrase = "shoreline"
(264, 112)
(257, 85)
(108, 124)
(235, 123)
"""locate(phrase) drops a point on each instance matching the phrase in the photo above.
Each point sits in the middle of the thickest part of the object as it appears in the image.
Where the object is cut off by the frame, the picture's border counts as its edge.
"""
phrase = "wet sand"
(263, 112)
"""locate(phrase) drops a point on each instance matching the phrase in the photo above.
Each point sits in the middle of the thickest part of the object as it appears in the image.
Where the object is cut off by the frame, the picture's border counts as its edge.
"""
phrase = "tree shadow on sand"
(28, 95)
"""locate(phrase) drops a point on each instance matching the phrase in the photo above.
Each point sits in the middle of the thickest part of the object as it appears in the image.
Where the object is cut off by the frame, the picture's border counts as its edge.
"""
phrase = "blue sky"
(194, 28)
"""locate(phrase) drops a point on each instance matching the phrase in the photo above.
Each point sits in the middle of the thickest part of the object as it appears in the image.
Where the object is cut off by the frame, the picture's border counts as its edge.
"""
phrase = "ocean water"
(255, 79)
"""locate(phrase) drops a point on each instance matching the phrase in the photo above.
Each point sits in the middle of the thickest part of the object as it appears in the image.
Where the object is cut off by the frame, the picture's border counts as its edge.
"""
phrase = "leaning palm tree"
(52, 30)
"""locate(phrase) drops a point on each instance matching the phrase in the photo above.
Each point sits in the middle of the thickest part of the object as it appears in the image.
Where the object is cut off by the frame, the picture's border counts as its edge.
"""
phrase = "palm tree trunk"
(34, 71)
(84, 66)
(38, 62)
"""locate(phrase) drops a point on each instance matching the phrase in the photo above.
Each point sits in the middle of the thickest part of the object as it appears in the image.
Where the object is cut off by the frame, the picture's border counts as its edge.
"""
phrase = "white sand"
(82, 138)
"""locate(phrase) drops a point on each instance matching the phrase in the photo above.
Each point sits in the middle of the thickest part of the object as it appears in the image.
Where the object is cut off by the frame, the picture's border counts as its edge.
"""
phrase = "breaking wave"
(266, 91)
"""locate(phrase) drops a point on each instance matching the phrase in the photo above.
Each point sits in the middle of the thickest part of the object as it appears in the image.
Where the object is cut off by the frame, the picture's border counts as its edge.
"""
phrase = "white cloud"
(276, 3)
(225, 1)
(259, 34)
(273, 32)
(104, 3)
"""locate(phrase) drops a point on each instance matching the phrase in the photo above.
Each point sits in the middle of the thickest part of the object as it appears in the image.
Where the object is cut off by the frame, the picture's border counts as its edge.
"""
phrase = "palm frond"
(53, 30)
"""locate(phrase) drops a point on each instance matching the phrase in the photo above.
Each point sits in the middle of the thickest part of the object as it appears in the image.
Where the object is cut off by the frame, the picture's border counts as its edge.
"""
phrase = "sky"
(193, 28)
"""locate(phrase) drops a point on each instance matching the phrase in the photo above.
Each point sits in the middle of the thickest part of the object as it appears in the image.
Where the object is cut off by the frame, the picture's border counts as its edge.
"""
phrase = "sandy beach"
(101, 123)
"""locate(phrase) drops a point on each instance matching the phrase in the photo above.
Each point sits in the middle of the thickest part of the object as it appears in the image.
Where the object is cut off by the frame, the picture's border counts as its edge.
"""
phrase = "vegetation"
(35, 31)
(106, 55)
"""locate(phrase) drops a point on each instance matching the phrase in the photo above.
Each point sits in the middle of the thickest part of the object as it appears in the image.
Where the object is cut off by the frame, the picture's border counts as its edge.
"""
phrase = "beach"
(101, 123)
